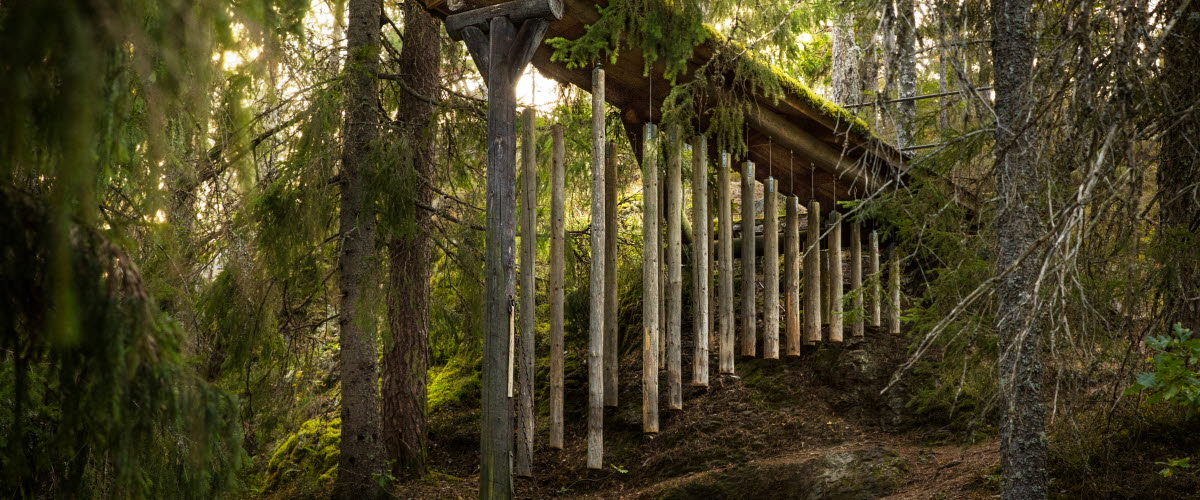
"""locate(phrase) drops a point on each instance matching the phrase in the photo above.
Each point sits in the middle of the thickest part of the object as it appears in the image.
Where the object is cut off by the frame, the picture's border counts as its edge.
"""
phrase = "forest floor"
(813, 426)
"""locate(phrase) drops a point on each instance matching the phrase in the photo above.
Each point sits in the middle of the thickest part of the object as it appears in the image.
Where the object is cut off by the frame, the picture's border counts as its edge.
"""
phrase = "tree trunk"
(906, 63)
(405, 358)
(847, 61)
(360, 445)
(1179, 170)
(1022, 419)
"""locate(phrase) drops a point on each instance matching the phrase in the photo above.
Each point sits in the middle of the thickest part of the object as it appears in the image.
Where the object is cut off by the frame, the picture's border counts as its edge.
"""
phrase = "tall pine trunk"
(1022, 419)
(1179, 169)
(360, 445)
(405, 356)
(906, 62)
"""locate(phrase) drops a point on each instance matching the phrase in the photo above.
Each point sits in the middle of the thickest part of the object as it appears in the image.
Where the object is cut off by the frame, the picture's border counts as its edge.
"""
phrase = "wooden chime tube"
(558, 235)
(812, 275)
(525, 341)
(700, 243)
(876, 282)
(610, 275)
(595, 454)
(650, 304)
(835, 277)
(770, 270)
(791, 272)
(749, 285)
(674, 271)
(859, 327)
(894, 288)
(725, 265)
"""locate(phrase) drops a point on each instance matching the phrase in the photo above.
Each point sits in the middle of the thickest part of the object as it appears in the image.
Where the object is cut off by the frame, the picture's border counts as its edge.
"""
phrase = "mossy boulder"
(306, 460)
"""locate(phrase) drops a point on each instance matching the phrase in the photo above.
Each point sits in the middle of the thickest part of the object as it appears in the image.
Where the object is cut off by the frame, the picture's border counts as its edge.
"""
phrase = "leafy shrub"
(1175, 378)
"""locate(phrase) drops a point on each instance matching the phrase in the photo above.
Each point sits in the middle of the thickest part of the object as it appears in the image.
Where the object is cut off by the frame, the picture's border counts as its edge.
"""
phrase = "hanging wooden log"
(749, 285)
(835, 277)
(610, 275)
(894, 288)
(725, 266)
(770, 270)
(558, 235)
(713, 330)
(595, 455)
(525, 343)
(876, 282)
(859, 327)
(664, 204)
(700, 244)
(825, 288)
(674, 271)
(791, 272)
(812, 275)
(650, 304)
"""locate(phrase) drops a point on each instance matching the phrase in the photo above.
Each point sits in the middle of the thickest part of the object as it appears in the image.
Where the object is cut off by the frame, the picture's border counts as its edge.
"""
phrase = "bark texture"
(528, 310)
(1022, 418)
(650, 288)
(1179, 169)
(357, 366)
(405, 357)
(674, 272)
(749, 278)
(847, 60)
(558, 235)
(595, 455)
(725, 267)
(906, 71)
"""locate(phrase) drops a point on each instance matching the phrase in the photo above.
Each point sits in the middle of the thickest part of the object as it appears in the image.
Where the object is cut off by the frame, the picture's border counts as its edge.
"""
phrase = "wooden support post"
(725, 266)
(770, 270)
(525, 343)
(812, 275)
(610, 275)
(859, 326)
(558, 235)
(894, 288)
(876, 282)
(650, 304)
(749, 313)
(700, 242)
(791, 273)
(595, 454)
(500, 55)
(674, 271)
(836, 326)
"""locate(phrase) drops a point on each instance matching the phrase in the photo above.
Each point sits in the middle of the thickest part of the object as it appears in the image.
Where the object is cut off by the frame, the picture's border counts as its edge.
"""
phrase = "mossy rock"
(308, 459)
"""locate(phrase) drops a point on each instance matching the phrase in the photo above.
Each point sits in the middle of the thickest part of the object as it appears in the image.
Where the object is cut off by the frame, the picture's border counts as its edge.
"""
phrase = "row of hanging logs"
(821, 306)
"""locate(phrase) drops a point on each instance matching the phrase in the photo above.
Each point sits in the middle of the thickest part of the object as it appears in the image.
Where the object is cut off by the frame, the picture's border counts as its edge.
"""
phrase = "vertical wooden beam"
(650, 304)
(595, 454)
(812, 275)
(496, 440)
(749, 313)
(836, 326)
(894, 288)
(525, 343)
(771, 270)
(859, 327)
(825, 291)
(610, 275)
(700, 242)
(725, 265)
(791, 272)
(876, 282)
(664, 204)
(674, 271)
(558, 233)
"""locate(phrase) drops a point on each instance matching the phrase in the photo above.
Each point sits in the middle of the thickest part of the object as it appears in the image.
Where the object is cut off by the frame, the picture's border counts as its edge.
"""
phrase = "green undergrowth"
(453, 382)
(306, 462)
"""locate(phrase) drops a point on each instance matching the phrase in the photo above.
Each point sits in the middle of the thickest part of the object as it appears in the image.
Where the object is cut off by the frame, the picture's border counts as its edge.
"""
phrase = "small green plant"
(1175, 378)
(1174, 465)
(620, 469)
